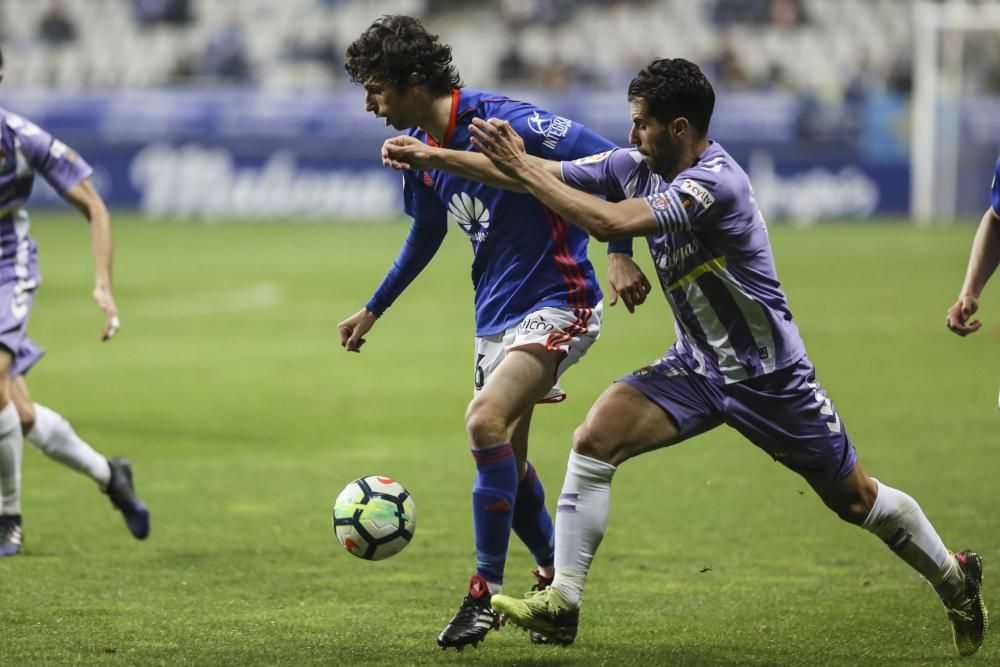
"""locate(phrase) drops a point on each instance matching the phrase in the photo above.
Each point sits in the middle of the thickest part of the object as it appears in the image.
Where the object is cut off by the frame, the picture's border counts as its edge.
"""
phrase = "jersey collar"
(456, 95)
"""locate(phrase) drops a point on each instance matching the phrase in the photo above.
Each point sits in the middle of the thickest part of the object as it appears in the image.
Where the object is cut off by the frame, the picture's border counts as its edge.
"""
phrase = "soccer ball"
(374, 517)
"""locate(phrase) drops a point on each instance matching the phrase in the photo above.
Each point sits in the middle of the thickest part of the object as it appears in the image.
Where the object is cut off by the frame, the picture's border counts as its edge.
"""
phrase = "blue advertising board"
(255, 155)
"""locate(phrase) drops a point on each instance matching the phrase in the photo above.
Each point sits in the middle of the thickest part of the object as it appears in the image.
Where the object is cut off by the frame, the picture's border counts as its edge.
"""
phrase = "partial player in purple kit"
(738, 359)
(537, 300)
(26, 149)
(983, 261)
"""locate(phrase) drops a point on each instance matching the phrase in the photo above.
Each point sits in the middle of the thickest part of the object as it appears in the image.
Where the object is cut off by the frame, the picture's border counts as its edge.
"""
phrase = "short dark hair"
(398, 50)
(674, 87)
(1, 58)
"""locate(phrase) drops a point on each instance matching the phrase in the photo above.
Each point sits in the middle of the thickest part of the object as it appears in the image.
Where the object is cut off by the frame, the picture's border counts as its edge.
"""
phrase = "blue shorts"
(15, 311)
(785, 413)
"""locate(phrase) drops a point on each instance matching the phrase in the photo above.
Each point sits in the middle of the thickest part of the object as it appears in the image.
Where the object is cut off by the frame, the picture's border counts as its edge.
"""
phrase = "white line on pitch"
(264, 295)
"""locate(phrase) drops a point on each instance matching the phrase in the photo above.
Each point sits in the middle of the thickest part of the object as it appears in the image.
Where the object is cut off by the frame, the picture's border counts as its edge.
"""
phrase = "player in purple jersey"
(26, 149)
(983, 262)
(537, 300)
(738, 359)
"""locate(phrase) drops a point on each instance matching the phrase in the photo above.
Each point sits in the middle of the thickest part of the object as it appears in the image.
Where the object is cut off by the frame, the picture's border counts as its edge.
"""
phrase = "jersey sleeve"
(601, 174)
(589, 143)
(430, 224)
(995, 194)
(58, 164)
(693, 198)
(545, 134)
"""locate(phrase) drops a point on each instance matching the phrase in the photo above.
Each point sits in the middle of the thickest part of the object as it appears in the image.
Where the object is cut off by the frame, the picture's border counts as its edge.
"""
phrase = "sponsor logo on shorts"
(535, 324)
(645, 371)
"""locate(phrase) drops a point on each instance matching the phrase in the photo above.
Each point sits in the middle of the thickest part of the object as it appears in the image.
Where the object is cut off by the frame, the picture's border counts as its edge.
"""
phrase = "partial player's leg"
(623, 423)
(791, 417)
(53, 435)
(531, 520)
(898, 520)
(523, 377)
(11, 449)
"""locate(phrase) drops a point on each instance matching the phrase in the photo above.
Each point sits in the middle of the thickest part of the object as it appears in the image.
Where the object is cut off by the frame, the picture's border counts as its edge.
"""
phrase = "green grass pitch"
(244, 418)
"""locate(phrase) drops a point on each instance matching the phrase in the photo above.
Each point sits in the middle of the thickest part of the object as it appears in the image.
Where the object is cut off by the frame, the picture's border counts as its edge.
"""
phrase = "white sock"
(11, 449)
(581, 518)
(897, 519)
(55, 438)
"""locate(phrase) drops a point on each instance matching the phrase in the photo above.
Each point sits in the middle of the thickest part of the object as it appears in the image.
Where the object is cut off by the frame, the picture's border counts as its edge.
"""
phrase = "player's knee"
(485, 426)
(595, 443)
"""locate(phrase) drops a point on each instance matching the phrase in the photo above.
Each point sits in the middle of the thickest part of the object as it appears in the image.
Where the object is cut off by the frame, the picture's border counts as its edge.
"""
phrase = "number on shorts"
(480, 373)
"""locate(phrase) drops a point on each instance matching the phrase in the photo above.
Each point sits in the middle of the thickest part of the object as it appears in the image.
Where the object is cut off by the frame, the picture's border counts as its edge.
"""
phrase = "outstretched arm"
(88, 201)
(983, 262)
(405, 153)
(604, 220)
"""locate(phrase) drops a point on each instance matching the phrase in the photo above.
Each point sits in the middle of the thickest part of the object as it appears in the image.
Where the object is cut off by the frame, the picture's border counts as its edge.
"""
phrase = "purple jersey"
(995, 194)
(26, 149)
(712, 257)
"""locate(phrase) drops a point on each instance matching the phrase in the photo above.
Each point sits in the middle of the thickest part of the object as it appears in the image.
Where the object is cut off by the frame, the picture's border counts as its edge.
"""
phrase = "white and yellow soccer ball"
(374, 517)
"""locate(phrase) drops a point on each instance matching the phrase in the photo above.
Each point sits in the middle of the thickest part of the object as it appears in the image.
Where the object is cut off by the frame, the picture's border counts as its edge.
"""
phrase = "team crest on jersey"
(592, 158)
(659, 202)
(470, 214)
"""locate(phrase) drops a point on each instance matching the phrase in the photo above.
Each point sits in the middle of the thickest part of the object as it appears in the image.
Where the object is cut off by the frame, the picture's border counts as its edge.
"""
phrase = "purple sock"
(532, 521)
(493, 497)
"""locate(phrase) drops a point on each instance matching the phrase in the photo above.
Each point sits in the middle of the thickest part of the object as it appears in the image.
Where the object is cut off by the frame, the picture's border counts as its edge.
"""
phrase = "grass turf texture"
(244, 419)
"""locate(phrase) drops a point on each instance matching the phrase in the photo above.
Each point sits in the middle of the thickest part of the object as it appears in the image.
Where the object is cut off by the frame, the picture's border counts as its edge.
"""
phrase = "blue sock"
(532, 521)
(493, 498)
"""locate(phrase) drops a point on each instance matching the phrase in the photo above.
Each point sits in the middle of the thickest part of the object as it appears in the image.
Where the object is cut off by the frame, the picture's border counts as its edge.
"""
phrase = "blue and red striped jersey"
(525, 256)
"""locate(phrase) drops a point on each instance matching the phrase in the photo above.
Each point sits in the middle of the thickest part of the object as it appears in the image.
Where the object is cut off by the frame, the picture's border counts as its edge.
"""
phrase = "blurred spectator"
(325, 51)
(55, 26)
(778, 13)
(787, 13)
(171, 12)
(728, 70)
(226, 56)
(899, 80)
(732, 12)
(512, 67)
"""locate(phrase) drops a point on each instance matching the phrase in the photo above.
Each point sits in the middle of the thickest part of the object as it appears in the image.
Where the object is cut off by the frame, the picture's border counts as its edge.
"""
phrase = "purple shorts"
(786, 413)
(15, 310)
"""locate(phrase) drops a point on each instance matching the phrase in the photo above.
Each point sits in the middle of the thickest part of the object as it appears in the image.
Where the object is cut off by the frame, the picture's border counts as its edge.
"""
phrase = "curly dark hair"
(398, 50)
(674, 87)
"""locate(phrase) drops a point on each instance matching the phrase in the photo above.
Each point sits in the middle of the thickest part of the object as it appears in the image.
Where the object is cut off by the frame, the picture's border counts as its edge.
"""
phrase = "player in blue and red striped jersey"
(537, 300)
(739, 359)
(983, 261)
(27, 150)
